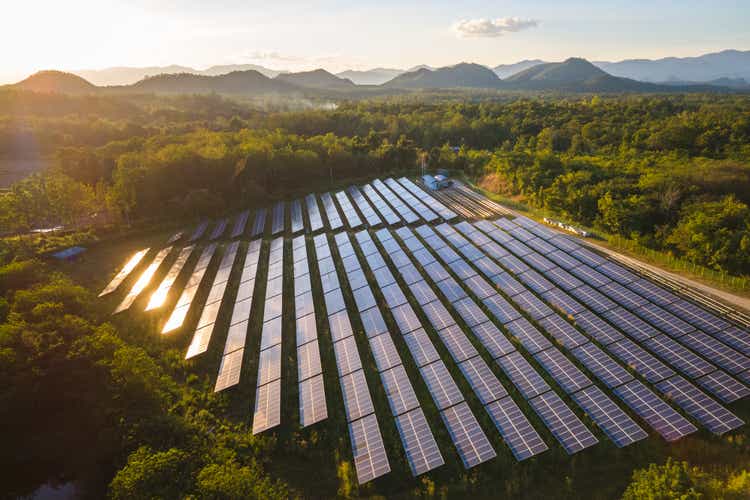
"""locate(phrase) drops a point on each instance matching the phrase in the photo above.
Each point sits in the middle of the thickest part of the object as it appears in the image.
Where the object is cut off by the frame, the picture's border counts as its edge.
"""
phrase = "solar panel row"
(267, 411)
(312, 400)
(178, 314)
(200, 230)
(238, 229)
(370, 459)
(398, 389)
(365, 208)
(277, 218)
(350, 213)
(143, 280)
(520, 436)
(296, 217)
(406, 213)
(428, 200)
(158, 298)
(411, 201)
(380, 205)
(313, 213)
(207, 320)
(332, 213)
(259, 223)
(230, 368)
(219, 229)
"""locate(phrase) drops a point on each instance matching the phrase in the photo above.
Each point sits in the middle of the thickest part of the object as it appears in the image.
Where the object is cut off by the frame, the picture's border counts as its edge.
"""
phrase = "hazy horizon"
(296, 36)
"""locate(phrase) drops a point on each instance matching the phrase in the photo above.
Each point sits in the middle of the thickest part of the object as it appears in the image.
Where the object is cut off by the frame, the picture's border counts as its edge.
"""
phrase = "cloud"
(492, 28)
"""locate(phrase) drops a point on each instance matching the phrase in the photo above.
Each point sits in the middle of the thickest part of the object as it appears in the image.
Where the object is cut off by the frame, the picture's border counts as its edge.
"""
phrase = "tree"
(662, 482)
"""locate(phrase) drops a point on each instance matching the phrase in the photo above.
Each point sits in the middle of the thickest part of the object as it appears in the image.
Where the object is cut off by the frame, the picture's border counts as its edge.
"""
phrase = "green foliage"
(153, 474)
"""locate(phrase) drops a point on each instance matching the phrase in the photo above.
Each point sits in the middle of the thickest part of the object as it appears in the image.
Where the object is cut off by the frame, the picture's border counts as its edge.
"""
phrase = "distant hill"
(575, 75)
(505, 70)
(51, 82)
(316, 79)
(725, 64)
(375, 76)
(461, 75)
(238, 82)
(126, 75)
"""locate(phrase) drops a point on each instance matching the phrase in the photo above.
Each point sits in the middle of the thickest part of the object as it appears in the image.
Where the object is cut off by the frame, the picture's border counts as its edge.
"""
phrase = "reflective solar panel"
(384, 351)
(441, 385)
(277, 224)
(563, 259)
(471, 442)
(718, 352)
(602, 365)
(484, 383)
(501, 309)
(306, 329)
(437, 315)
(664, 320)
(308, 360)
(532, 305)
(334, 301)
(565, 373)
(590, 276)
(563, 278)
(421, 347)
(535, 281)
(421, 449)
(596, 327)
(398, 390)
(457, 343)
(522, 439)
(436, 271)
(641, 361)
(679, 356)
(357, 401)
(340, 326)
(652, 292)
(451, 289)
(131, 264)
(728, 389)
(513, 264)
(259, 223)
(405, 318)
(267, 412)
(312, 401)
(630, 324)
(422, 292)
(623, 295)
(347, 356)
(563, 423)
(466, 308)
(229, 370)
(588, 257)
(593, 299)
(523, 376)
(562, 332)
(698, 316)
(562, 302)
(658, 414)
(492, 339)
(735, 338)
(532, 339)
(615, 423)
(370, 459)
(508, 284)
(705, 410)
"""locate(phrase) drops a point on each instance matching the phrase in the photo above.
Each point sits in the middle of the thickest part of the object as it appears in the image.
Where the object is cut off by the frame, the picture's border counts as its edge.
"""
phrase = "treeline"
(671, 173)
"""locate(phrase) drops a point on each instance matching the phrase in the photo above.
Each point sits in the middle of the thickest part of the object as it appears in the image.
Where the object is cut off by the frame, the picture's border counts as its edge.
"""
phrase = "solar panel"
(541, 246)
(480, 287)
(563, 278)
(421, 449)
(471, 442)
(347, 356)
(306, 329)
(180, 311)
(308, 360)
(312, 401)
(698, 317)
(588, 257)
(435, 271)
(437, 315)
(664, 320)
(563, 423)
(422, 292)
(200, 230)
(277, 224)
(384, 351)
(259, 223)
(398, 390)
(563, 259)
(296, 216)
(593, 299)
(532, 305)
(439, 382)
(405, 318)
(421, 347)
(565, 242)
(269, 365)
(364, 298)
(615, 423)
(623, 295)
(492, 339)
(721, 354)
(562, 302)
(630, 324)
(565, 373)
(466, 308)
(535, 281)
(357, 401)
(267, 413)
(531, 338)
(508, 284)
(736, 338)
(313, 213)
(562, 332)
(596, 327)
(143, 280)
(219, 229)
(462, 269)
(158, 298)
(602, 365)
(705, 410)
(658, 414)
(590, 276)
(229, 370)
(451, 289)
(370, 459)
(501, 309)
(457, 343)
(393, 295)
(334, 301)
(518, 433)
(652, 292)
(523, 376)
(641, 361)
(485, 384)
(679, 356)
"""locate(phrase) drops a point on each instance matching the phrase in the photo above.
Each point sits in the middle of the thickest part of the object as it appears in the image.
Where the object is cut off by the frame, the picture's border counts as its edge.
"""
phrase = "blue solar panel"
(492, 339)
(471, 442)
(562, 332)
(563, 423)
(664, 320)
(602, 365)
(523, 376)
(565, 373)
(641, 361)
(532, 305)
(615, 423)
(442, 387)
(721, 354)
(501, 309)
(562, 302)
(532, 339)
(633, 326)
(485, 384)
(679, 356)
(421, 449)
(522, 439)
(724, 386)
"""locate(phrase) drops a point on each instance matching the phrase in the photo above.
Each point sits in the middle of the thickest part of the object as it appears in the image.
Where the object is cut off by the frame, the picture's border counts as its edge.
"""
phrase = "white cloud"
(492, 28)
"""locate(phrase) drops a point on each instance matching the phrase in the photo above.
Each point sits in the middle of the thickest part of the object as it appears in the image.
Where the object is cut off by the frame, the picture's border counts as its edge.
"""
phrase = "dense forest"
(105, 404)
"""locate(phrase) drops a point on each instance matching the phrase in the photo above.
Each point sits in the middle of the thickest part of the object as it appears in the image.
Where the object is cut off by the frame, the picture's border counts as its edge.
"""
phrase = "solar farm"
(486, 331)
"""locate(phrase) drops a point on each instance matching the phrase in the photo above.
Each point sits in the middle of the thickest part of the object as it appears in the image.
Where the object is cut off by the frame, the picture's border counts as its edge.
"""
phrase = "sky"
(338, 35)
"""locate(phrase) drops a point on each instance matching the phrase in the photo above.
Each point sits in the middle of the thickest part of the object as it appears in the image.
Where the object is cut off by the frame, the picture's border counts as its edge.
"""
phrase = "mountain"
(316, 79)
(375, 76)
(460, 75)
(51, 82)
(237, 82)
(506, 70)
(574, 75)
(725, 64)
(122, 75)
